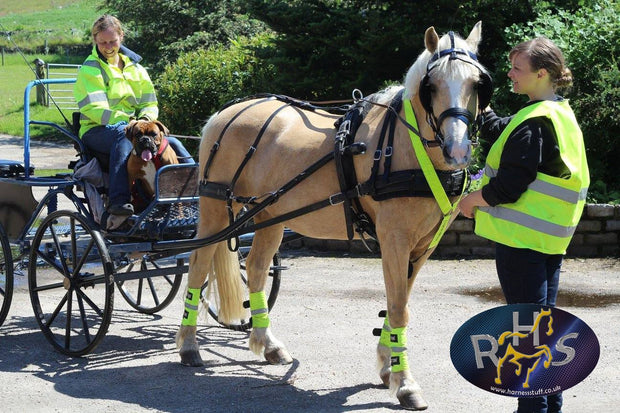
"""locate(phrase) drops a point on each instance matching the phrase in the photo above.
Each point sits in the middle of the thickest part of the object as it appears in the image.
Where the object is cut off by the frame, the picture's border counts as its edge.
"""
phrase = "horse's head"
(452, 88)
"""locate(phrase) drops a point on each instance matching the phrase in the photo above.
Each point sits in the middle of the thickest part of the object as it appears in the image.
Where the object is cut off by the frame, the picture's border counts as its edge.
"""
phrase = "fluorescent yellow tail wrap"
(398, 344)
(190, 315)
(259, 309)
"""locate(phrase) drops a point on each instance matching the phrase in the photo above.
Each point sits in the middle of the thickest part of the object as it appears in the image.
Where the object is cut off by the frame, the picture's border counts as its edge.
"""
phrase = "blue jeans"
(111, 140)
(529, 276)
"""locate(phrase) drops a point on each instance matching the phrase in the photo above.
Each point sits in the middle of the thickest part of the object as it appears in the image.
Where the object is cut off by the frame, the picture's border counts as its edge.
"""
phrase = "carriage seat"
(12, 169)
(103, 158)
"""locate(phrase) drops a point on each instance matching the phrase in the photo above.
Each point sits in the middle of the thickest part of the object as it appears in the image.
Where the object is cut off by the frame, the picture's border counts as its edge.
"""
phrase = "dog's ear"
(162, 128)
(129, 128)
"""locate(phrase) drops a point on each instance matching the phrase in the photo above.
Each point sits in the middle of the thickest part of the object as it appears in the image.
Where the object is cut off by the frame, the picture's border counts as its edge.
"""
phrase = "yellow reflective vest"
(546, 215)
(106, 94)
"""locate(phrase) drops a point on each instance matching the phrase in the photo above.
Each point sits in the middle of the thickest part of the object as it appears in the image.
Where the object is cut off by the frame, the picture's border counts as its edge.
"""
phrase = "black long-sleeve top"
(531, 147)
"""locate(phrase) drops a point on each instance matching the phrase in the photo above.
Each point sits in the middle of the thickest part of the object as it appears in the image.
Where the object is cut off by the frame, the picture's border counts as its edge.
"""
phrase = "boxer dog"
(151, 151)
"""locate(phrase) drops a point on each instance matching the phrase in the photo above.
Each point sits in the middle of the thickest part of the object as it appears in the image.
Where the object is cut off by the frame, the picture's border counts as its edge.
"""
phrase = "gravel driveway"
(325, 312)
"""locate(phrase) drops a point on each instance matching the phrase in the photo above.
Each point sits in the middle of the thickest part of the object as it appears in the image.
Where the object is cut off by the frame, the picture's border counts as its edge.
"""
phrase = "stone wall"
(597, 235)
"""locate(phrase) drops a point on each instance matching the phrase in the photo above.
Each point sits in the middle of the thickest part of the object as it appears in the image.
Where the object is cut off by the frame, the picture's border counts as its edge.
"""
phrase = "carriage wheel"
(6, 275)
(210, 299)
(152, 293)
(70, 280)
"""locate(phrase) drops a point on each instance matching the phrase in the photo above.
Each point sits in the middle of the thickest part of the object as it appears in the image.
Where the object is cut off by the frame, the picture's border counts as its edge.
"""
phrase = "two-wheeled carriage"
(73, 264)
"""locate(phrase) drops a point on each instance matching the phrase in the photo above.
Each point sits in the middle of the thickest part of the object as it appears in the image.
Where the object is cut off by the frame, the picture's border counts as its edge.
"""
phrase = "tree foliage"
(164, 29)
(326, 48)
(590, 40)
(203, 54)
(201, 81)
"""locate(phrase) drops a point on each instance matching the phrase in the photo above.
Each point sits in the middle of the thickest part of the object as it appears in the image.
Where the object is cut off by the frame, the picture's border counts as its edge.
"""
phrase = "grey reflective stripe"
(97, 65)
(387, 328)
(529, 221)
(105, 117)
(191, 307)
(148, 97)
(555, 191)
(490, 172)
(260, 311)
(547, 188)
(92, 98)
(398, 349)
(130, 100)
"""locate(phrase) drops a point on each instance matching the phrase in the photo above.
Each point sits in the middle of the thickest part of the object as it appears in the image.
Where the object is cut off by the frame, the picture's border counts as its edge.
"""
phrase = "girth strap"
(345, 169)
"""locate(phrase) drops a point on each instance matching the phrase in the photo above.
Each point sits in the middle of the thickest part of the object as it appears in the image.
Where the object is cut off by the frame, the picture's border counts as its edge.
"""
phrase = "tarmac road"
(325, 312)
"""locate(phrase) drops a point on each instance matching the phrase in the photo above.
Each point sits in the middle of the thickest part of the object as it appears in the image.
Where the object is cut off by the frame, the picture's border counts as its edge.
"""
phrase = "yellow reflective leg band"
(398, 344)
(259, 309)
(190, 315)
(385, 333)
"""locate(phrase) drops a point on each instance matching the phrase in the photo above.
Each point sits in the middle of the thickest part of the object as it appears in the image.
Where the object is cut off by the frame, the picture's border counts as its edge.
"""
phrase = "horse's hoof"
(191, 358)
(385, 377)
(278, 356)
(412, 401)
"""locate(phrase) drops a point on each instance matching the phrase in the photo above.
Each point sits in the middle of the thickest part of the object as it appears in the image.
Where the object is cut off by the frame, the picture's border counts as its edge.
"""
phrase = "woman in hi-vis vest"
(534, 185)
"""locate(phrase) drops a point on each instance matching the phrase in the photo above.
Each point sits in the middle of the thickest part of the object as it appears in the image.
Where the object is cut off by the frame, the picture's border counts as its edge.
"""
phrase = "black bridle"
(462, 114)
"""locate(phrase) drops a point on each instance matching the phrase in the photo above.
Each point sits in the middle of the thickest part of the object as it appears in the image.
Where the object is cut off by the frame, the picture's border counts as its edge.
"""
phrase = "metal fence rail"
(62, 94)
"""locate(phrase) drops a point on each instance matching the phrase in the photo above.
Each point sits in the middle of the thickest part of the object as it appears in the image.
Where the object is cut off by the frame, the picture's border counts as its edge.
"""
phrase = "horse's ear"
(431, 40)
(474, 37)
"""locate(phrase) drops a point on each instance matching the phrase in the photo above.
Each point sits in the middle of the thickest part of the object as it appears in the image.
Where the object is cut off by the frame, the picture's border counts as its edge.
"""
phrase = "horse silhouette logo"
(524, 350)
(512, 355)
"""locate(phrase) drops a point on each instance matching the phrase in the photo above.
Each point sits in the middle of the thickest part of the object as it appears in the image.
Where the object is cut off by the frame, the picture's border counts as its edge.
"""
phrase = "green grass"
(14, 76)
(31, 22)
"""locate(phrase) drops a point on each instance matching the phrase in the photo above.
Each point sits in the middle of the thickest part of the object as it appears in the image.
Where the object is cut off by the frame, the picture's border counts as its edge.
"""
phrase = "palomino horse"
(446, 86)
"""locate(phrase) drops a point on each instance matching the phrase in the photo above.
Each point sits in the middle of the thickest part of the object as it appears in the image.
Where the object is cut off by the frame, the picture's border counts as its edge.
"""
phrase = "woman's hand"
(470, 202)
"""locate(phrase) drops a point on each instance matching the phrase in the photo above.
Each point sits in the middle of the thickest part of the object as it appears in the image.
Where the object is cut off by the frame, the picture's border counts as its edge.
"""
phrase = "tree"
(163, 29)
(326, 48)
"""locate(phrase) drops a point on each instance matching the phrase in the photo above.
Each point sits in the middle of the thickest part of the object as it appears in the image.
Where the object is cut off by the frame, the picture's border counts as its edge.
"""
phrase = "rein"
(408, 183)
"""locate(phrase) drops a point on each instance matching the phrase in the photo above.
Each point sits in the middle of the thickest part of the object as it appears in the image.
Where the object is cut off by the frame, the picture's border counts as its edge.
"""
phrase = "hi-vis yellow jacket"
(546, 215)
(106, 94)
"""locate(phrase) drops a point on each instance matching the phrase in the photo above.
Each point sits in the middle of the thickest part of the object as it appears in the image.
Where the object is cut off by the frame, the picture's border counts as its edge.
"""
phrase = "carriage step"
(376, 332)
(382, 314)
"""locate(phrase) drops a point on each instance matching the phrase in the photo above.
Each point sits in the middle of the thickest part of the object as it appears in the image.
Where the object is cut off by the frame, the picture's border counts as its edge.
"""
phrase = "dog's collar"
(162, 147)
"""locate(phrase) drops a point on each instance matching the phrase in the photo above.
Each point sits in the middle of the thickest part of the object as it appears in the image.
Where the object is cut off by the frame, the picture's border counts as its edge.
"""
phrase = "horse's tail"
(229, 284)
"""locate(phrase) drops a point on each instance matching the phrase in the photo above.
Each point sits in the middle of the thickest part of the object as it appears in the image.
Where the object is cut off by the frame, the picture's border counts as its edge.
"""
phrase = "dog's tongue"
(147, 155)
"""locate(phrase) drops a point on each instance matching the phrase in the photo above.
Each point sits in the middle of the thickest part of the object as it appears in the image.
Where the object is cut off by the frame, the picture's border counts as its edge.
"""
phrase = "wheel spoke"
(50, 260)
(56, 311)
(63, 261)
(153, 290)
(78, 266)
(83, 317)
(68, 320)
(90, 302)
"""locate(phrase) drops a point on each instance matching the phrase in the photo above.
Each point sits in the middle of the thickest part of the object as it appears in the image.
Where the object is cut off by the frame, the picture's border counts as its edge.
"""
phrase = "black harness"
(407, 183)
